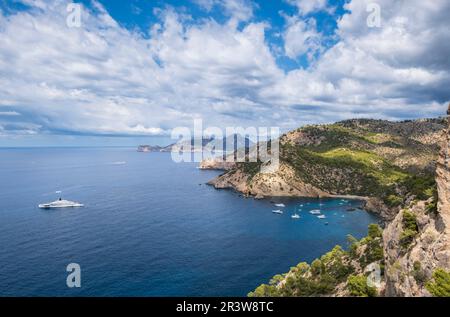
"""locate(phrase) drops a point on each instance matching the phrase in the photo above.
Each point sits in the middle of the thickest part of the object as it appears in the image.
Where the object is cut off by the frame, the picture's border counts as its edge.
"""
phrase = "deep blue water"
(149, 228)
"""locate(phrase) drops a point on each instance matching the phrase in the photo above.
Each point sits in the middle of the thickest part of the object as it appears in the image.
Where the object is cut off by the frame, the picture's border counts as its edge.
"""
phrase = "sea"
(150, 227)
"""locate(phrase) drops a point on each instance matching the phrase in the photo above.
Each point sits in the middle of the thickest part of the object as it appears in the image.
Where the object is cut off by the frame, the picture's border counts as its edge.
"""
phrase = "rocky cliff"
(417, 241)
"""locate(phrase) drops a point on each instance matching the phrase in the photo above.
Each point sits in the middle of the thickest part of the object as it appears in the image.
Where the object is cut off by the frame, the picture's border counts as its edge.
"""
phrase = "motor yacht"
(60, 203)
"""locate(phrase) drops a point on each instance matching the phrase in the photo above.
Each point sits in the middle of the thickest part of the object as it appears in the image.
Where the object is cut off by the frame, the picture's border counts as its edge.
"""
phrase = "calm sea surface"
(149, 227)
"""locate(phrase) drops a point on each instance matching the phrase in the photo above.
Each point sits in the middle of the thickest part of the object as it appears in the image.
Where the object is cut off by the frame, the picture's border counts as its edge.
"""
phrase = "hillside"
(385, 162)
(412, 253)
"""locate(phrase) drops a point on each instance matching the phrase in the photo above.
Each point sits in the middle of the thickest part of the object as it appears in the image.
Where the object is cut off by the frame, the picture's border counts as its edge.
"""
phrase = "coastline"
(373, 205)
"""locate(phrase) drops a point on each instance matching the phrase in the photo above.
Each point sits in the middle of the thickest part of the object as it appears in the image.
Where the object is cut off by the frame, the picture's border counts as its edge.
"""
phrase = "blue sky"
(137, 14)
(134, 70)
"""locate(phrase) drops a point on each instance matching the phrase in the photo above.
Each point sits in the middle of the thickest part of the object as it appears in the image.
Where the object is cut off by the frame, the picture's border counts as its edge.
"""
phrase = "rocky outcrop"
(235, 179)
(409, 264)
(216, 164)
(281, 183)
(378, 207)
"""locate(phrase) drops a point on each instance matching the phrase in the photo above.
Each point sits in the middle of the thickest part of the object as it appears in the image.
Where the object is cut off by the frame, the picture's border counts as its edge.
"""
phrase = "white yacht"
(60, 203)
(278, 211)
(314, 212)
(280, 205)
(295, 216)
(321, 216)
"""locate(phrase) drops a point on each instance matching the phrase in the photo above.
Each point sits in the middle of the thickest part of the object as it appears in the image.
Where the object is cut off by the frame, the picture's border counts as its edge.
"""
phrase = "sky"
(131, 71)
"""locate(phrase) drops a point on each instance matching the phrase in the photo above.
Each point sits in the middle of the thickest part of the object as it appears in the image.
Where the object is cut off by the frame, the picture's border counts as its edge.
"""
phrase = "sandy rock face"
(234, 179)
(281, 183)
(216, 164)
(443, 180)
(430, 249)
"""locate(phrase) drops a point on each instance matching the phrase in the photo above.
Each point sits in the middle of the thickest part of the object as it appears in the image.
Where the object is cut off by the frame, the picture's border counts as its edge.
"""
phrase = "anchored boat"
(60, 203)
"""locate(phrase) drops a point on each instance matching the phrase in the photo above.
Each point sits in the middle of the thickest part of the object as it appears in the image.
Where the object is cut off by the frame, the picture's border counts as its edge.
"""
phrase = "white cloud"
(396, 71)
(238, 10)
(104, 79)
(9, 113)
(301, 37)
(308, 6)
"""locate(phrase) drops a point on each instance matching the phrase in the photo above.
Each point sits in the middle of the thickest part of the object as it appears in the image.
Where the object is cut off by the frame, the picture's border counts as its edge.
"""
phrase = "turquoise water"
(150, 227)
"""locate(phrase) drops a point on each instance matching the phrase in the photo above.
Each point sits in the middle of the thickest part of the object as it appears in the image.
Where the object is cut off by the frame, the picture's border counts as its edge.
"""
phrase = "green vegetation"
(250, 168)
(409, 221)
(357, 286)
(353, 245)
(336, 135)
(327, 272)
(418, 273)
(431, 207)
(374, 251)
(393, 200)
(410, 229)
(374, 231)
(423, 187)
(356, 172)
(439, 286)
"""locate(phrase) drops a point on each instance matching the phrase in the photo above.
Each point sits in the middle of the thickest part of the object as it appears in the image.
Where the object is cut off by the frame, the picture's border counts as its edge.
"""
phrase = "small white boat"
(321, 216)
(314, 212)
(60, 203)
(277, 211)
(295, 216)
(119, 163)
(280, 205)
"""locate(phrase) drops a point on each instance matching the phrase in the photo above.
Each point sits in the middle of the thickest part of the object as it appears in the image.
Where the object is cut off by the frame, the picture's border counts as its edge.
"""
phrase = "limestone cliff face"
(216, 164)
(443, 179)
(283, 182)
(409, 265)
(377, 206)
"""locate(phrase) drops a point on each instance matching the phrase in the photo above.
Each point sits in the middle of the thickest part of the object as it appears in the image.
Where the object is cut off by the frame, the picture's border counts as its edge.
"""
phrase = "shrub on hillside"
(440, 284)
(357, 286)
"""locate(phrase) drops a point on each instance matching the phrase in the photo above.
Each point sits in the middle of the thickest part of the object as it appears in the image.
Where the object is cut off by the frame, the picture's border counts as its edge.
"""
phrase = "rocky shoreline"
(268, 186)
